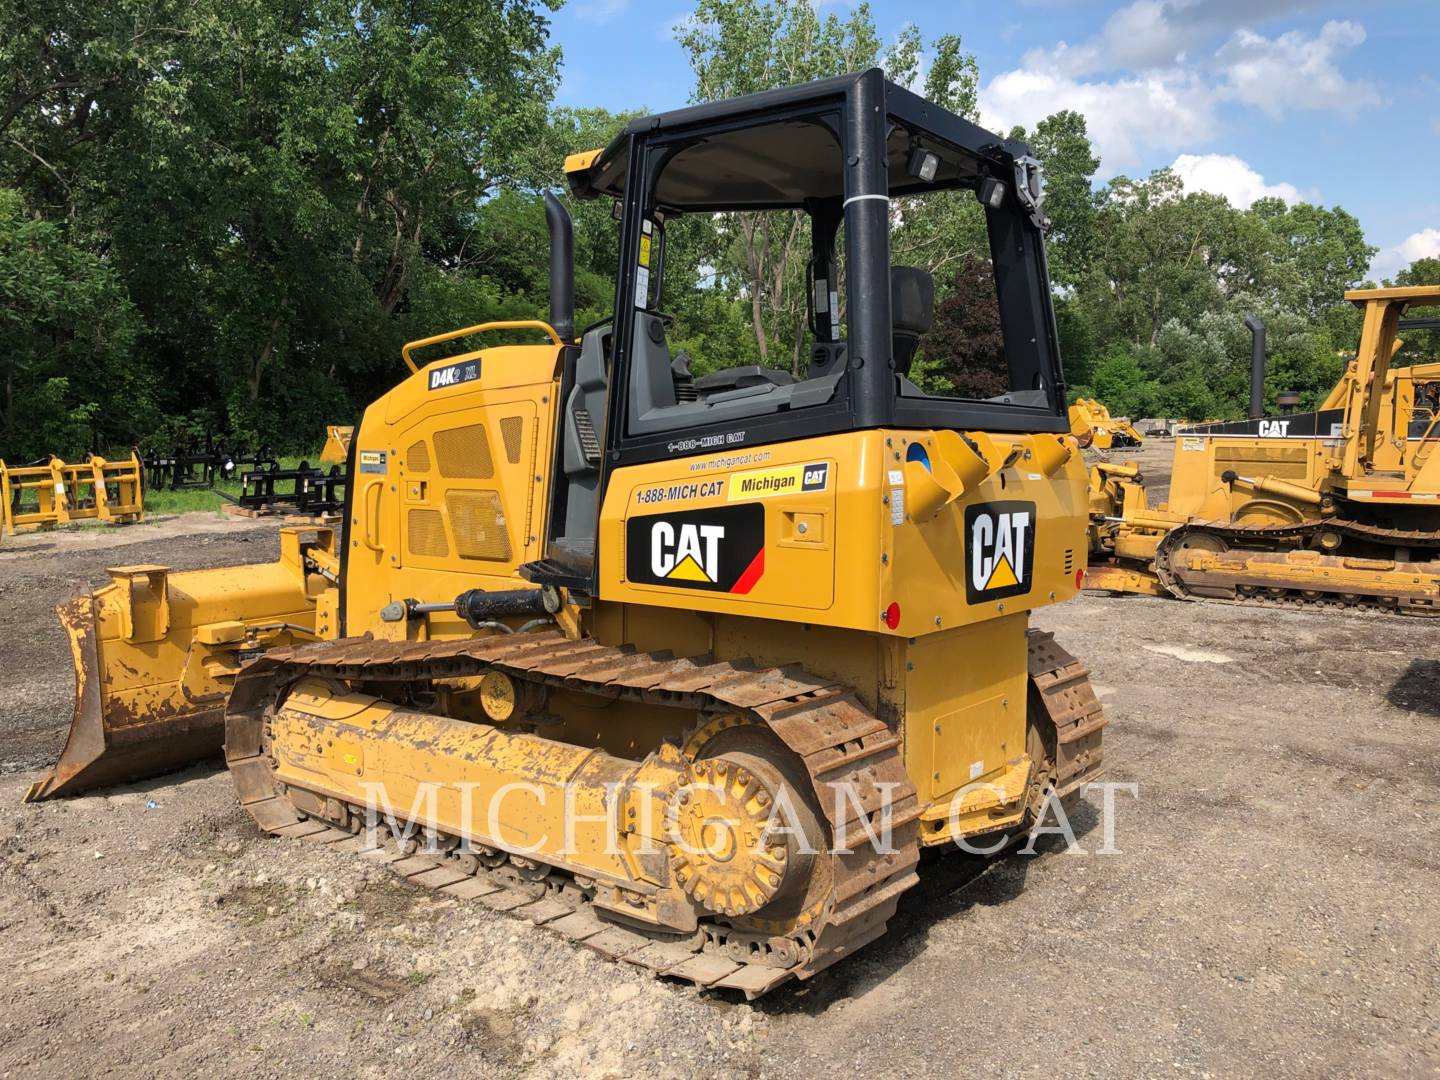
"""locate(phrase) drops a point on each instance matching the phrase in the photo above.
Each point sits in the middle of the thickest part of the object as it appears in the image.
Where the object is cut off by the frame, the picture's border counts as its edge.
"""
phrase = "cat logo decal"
(721, 549)
(1000, 550)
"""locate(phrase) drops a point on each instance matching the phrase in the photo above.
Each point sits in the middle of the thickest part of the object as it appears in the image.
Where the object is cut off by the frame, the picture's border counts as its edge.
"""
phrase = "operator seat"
(912, 312)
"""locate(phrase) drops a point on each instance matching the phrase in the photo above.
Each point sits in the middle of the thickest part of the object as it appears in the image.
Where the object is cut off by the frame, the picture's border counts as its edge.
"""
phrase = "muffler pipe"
(1257, 366)
(562, 268)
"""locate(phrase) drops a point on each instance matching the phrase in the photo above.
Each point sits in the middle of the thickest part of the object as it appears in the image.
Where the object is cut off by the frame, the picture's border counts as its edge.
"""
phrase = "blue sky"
(1334, 103)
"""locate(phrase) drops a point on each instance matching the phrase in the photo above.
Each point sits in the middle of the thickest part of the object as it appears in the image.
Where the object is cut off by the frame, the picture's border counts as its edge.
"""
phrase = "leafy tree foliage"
(964, 353)
(67, 331)
(1420, 346)
(228, 216)
(746, 46)
(276, 186)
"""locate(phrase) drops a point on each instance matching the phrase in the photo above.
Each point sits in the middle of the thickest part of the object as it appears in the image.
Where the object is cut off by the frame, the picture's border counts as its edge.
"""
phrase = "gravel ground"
(1274, 908)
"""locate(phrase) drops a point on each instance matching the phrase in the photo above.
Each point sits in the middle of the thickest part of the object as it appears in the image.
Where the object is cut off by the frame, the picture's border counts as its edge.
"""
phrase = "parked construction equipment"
(1336, 507)
(337, 444)
(187, 468)
(302, 491)
(1092, 424)
(51, 493)
(612, 620)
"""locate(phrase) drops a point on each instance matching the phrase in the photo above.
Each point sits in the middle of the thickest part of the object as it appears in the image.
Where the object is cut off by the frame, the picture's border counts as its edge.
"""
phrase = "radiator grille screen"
(464, 453)
(427, 533)
(417, 458)
(511, 428)
(478, 521)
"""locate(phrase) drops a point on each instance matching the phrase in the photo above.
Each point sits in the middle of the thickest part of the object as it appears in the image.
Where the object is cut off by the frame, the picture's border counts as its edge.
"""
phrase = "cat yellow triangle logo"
(1003, 575)
(687, 569)
(1000, 538)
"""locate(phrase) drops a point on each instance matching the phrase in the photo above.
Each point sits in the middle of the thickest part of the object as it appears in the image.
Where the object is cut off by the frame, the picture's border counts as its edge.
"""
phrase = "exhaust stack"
(562, 268)
(1257, 366)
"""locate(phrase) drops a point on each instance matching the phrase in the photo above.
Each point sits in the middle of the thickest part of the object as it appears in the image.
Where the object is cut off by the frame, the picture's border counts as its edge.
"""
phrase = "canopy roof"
(786, 154)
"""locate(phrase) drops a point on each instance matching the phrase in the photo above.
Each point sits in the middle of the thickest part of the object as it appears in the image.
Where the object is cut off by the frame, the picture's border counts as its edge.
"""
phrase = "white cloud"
(1228, 175)
(1125, 117)
(1149, 34)
(1389, 261)
(1294, 71)
(1136, 37)
(1153, 79)
(601, 11)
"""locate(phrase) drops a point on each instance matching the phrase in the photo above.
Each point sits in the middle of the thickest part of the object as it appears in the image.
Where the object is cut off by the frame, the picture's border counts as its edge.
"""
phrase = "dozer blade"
(109, 742)
(156, 653)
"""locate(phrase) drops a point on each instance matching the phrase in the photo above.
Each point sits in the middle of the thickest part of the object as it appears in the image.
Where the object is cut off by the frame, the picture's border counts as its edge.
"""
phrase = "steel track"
(838, 741)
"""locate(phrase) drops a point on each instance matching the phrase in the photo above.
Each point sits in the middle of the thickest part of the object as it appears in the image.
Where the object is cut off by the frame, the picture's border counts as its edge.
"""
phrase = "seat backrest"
(575, 498)
(912, 311)
(652, 383)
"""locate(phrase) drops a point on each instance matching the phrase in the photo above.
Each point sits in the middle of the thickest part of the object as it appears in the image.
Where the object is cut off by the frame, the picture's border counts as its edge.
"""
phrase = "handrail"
(512, 324)
(370, 534)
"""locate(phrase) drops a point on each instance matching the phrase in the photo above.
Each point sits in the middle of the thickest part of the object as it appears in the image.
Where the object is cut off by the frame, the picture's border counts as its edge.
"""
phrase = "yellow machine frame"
(658, 626)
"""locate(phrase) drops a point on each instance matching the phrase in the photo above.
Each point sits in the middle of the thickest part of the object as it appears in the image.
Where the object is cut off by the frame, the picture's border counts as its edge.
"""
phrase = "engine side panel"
(451, 481)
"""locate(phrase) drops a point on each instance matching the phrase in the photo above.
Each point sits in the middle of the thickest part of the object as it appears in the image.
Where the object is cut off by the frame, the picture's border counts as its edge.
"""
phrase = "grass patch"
(185, 502)
(165, 501)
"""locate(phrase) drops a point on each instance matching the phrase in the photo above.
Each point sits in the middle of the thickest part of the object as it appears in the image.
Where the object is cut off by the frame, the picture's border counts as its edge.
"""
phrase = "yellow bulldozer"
(1339, 507)
(591, 624)
(1092, 424)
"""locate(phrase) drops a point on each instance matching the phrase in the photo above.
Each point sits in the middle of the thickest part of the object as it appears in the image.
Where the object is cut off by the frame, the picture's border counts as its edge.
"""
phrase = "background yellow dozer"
(1092, 424)
(1337, 507)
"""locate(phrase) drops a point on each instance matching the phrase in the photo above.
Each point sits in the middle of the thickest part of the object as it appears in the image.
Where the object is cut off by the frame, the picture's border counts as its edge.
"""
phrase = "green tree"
(229, 216)
(1420, 346)
(1122, 384)
(276, 178)
(1325, 250)
(1163, 253)
(66, 331)
(1424, 271)
(740, 47)
(964, 352)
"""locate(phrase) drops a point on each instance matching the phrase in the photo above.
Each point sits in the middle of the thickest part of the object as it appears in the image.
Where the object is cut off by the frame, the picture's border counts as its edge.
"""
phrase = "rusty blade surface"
(106, 744)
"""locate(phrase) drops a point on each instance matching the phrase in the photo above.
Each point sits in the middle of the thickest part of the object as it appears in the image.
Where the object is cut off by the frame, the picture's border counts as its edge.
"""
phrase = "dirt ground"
(1275, 908)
